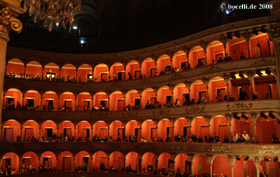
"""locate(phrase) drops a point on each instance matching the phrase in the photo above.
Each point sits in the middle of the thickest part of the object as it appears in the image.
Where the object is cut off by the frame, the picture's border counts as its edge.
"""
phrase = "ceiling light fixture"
(53, 11)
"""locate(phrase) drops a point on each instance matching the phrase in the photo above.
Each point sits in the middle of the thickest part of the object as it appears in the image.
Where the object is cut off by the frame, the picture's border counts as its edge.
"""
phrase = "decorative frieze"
(161, 112)
(263, 62)
(129, 114)
(239, 106)
(213, 69)
(230, 150)
(194, 110)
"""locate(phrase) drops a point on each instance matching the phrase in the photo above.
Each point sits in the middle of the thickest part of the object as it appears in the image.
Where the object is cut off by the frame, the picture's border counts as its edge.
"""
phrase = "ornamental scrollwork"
(219, 149)
(239, 106)
(213, 69)
(161, 112)
(195, 110)
(114, 84)
(14, 23)
(85, 86)
(269, 150)
(129, 114)
(263, 62)
(114, 146)
(102, 115)
(176, 76)
(145, 81)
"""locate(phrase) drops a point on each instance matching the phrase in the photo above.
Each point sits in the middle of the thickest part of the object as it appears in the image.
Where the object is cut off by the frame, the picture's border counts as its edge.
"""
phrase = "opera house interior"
(139, 87)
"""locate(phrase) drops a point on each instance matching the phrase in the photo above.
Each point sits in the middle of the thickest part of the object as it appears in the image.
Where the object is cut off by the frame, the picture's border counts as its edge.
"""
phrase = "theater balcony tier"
(247, 66)
(253, 108)
(191, 149)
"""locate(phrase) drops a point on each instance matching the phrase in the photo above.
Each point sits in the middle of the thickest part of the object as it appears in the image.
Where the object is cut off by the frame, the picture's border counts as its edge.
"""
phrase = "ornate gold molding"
(263, 62)
(176, 76)
(7, 23)
(129, 114)
(161, 112)
(239, 106)
(194, 110)
(213, 69)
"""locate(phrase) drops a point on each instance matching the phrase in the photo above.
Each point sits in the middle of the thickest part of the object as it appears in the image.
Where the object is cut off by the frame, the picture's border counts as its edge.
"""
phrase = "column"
(108, 163)
(157, 129)
(255, 130)
(76, 103)
(140, 102)
(24, 70)
(228, 88)
(124, 131)
(108, 131)
(249, 52)
(209, 128)
(19, 166)
(5, 27)
(230, 130)
(42, 73)
(124, 96)
(40, 130)
(91, 133)
(38, 163)
(211, 170)
(207, 94)
(156, 165)
(22, 98)
(58, 104)
(251, 86)
(20, 133)
(205, 57)
(74, 162)
(57, 164)
(77, 75)
(41, 102)
(90, 163)
(75, 132)
(124, 163)
(3, 103)
(108, 103)
(173, 132)
(92, 102)
(232, 170)
(258, 170)
(140, 165)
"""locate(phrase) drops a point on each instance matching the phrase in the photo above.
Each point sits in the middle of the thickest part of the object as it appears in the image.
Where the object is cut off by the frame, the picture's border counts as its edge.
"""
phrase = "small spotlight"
(259, 73)
(236, 116)
(271, 115)
(233, 76)
(57, 24)
(263, 115)
(241, 75)
(227, 11)
(267, 71)
(244, 116)
(276, 159)
(82, 41)
(75, 27)
(247, 158)
(237, 158)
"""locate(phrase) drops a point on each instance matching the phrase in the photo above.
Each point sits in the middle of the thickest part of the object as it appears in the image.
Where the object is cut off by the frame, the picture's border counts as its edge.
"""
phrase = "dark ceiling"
(118, 25)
